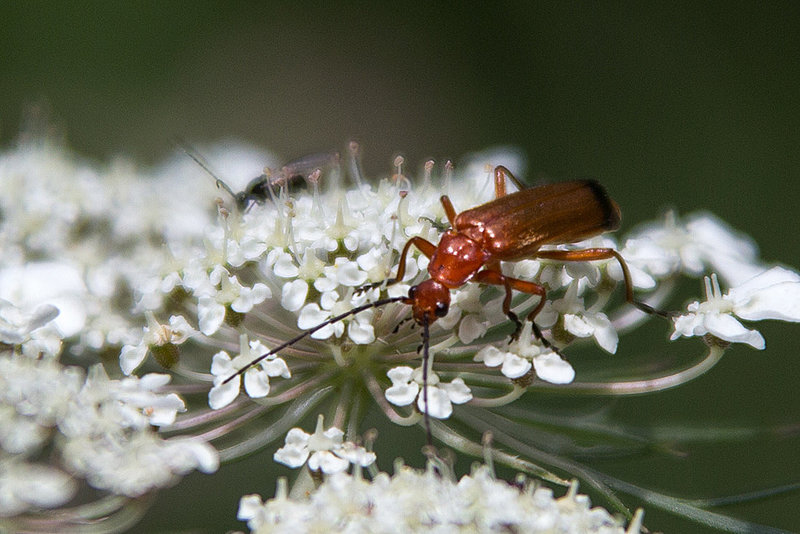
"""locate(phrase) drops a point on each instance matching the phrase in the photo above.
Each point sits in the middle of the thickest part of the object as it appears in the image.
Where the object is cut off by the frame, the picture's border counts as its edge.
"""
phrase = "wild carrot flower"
(426, 500)
(108, 265)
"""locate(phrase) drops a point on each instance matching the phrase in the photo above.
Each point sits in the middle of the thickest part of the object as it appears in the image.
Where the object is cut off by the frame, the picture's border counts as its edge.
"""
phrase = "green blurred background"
(669, 105)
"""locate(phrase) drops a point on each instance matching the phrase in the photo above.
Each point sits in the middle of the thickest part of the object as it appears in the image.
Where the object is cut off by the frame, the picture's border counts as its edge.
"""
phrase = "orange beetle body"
(510, 228)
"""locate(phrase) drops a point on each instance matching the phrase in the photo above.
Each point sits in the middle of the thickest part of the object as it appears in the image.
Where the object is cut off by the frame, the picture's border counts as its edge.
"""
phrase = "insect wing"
(303, 167)
(516, 225)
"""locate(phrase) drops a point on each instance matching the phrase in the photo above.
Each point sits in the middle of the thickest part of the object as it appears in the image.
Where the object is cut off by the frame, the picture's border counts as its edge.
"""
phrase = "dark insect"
(510, 228)
(261, 187)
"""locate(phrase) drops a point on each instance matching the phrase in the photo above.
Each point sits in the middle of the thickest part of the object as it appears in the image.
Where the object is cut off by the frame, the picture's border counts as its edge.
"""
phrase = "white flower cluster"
(95, 259)
(324, 450)
(101, 429)
(424, 501)
(772, 294)
(90, 241)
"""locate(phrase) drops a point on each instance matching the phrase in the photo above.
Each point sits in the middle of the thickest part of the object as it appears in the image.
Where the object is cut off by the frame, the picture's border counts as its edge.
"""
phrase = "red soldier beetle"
(512, 227)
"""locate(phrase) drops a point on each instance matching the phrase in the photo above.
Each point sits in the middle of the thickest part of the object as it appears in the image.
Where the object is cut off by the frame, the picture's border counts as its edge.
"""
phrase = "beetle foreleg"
(426, 247)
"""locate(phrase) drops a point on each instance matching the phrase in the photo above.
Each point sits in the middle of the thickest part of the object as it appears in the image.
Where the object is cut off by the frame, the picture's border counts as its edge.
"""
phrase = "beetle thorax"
(456, 260)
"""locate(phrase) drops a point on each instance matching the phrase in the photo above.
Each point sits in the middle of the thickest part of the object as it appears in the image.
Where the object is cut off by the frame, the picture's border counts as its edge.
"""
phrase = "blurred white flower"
(162, 340)
(33, 332)
(413, 500)
(32, 486)
(699, 242)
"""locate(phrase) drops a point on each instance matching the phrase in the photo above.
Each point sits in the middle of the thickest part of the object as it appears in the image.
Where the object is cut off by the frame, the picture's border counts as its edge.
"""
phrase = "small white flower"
(512, 365)
(583, 323)
(343, 272)
(34, 332)
(407, 384)
(360, 329)
(773, 294)
(132, 402)
(256, 378)
(211, 309)
(141, 394)
(404, 389)
(156, 337)
(324, 450)
(526, 353)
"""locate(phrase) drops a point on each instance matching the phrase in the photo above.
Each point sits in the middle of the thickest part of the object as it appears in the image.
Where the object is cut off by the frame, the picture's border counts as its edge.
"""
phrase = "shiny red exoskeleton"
(512, 227)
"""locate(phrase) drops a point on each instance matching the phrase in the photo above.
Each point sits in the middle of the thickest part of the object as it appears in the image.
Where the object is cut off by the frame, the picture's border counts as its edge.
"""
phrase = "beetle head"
(429, 300)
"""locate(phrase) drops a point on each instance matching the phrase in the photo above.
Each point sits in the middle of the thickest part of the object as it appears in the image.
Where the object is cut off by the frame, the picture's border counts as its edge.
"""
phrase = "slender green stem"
(638, 387)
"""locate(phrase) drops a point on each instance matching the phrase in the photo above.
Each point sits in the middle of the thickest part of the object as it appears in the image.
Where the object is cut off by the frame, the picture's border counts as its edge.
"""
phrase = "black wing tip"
(611, 214)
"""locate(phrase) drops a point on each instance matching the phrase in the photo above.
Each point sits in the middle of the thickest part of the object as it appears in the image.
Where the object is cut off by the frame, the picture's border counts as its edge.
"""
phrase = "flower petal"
(491, 356)
(726, 327)
(361, 333)
(223, 394)
(293, 295)
(515, 366)
(551, 368)
(327, 462)
(311, 315)
(402, 394)
(210, 315)
(256, 383)
(457, 391)
(131, 357)
(292, 456)
(439, 405)
(221, 364)
(577, 325)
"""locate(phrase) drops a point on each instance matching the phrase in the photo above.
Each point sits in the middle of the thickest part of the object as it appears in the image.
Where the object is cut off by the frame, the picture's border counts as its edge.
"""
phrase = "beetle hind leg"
(592, 254)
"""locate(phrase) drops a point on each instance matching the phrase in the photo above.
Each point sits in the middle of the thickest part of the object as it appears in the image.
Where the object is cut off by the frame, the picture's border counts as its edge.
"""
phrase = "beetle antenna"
(200, 160)
(354, 311)
(425, 357)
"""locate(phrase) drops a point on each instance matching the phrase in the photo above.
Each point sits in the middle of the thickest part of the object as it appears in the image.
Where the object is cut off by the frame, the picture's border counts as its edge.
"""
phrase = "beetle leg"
(591, 254)
(424, 246)
(495, 277)
(500, 175)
